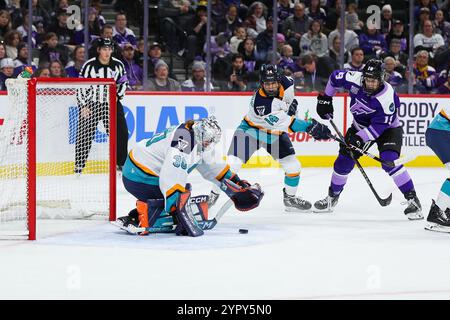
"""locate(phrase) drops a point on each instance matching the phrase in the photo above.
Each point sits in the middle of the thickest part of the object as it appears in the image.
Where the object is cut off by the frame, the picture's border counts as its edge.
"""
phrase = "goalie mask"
(207, 133)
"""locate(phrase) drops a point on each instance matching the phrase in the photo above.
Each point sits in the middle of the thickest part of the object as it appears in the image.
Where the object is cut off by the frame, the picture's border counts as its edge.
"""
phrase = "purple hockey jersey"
(371, 114)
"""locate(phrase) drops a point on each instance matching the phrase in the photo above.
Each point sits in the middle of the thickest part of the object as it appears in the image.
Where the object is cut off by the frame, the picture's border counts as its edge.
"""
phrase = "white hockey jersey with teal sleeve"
(167, 159)
(269, 114)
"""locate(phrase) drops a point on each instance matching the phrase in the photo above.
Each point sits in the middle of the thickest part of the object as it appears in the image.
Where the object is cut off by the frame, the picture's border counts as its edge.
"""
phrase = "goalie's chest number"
(271, 119)
(179, 161)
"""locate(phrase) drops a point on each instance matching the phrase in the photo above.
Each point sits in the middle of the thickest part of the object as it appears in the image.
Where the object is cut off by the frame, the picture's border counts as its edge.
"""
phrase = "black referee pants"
(86, 132)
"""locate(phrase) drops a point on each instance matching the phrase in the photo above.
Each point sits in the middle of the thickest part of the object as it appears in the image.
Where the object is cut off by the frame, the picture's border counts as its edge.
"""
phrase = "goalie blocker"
(150, 216)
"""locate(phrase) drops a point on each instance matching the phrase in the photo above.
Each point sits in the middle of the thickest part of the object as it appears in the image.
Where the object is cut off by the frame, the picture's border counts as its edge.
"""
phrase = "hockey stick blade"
(210, 224)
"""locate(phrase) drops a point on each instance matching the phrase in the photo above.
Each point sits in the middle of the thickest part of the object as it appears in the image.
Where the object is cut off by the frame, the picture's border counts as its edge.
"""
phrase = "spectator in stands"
(154, 55)
(237, 75)
(94, 28)
(441, 26)
(352, 19)
(5, 23)
(7, 71)
(314, 41)
(424, 16)
(386, 19)
(285, 10)
(74, 67)
(2, 50)
(357, 58)
(66, 35)
(57, 69)
(398, 32)
(42, 72)
(315, 12)
(161, 81)
(248, 50)
(393, 77)
(264, 40)
(219, 9)
(350, 37)
(22, 59)
(295, 26)
(445, 87)
(121, 33)
(229, 22)
(333, 13)
(40, 14)
(23, 30)
(196, 29)
(372, 42)
(219, 47)
(401, 58)
(335, 52)
(256, 19)
(317, 72)
(425, 4)
(134, 71)
(428, 40)
(12, 40)
(97, 5)
(240, 34)
(60, 5)
(106, 33)
(424, 74)
(287, 63)
(197, 81)
(51, 50)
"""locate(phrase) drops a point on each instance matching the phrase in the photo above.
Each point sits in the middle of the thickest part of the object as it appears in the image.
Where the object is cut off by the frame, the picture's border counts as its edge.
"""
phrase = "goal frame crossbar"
(31, 141)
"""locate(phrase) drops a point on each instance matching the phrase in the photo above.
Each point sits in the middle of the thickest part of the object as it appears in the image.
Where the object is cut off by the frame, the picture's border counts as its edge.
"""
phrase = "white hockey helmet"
(207, 133)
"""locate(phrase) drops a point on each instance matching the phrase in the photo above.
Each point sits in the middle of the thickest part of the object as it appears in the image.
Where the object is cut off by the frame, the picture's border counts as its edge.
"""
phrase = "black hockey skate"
(129, 223)
(293, 203)
(327, 204)
(437, 219)
(414, 209)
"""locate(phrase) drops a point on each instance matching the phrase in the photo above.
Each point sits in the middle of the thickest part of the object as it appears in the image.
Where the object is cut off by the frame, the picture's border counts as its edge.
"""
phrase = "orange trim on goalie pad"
(141, 166)
(142, 209)
(223, 172)
(174, 189)
(204, 208)
(293, 174)
(446, 116)
(184, 197)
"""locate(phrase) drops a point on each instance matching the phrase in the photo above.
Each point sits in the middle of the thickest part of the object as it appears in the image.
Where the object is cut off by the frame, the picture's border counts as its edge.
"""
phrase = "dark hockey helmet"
(105, 42)
(269, 73)
(373, 69)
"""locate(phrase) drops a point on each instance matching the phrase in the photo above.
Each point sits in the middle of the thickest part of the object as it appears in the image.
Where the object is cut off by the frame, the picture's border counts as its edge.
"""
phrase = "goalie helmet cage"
(50, 109)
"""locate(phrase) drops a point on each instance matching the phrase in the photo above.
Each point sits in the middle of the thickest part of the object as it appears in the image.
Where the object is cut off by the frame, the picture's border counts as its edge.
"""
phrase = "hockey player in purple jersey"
(374, 106)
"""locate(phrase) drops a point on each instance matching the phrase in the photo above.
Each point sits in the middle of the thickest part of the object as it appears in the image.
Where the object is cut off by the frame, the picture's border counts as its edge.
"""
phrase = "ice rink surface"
(361, 251)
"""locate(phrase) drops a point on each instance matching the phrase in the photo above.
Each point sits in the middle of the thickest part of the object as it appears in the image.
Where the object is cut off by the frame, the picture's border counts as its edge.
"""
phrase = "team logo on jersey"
(360, 108)
(261, 110)
(182, 144)
(354, 90)
(392, 107)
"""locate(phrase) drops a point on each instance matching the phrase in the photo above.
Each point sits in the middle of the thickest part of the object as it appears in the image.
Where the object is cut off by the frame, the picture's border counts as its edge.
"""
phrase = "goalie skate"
(295, 204)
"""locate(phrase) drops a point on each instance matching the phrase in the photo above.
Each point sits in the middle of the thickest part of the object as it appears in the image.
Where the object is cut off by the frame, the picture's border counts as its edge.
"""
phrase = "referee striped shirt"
(93, 68)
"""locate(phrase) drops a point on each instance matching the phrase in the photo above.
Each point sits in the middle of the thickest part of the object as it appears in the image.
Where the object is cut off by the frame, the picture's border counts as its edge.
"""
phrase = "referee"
(93, 104)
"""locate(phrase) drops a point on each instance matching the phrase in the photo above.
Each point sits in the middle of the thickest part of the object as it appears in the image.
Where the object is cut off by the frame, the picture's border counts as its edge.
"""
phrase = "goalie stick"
(395, 163)
(381, 201)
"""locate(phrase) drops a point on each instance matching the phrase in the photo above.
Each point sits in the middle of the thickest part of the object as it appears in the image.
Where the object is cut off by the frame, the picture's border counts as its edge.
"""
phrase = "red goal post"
(58, 152)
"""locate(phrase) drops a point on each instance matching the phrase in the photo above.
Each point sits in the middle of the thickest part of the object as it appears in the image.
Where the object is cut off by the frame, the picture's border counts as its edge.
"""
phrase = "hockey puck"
(243, 231)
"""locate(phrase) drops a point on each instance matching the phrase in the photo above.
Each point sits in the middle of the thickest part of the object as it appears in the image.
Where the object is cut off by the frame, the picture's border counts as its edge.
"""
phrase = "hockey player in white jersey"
(156, 171)
(438, 139)
(270, 117)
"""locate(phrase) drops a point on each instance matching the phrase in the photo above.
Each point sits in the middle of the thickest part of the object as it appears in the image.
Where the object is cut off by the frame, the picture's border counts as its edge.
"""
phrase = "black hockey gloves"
(318, 130)
(325, 106)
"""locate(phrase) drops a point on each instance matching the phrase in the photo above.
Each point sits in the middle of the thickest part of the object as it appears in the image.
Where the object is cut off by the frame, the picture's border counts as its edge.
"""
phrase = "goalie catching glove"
(244, 196)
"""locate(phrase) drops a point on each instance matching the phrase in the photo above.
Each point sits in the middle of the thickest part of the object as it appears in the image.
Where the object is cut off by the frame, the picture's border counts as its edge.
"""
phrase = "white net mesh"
(72, 153)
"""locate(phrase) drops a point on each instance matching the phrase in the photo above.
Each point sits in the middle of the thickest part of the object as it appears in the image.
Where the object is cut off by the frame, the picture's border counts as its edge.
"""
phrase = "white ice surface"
(361, 251)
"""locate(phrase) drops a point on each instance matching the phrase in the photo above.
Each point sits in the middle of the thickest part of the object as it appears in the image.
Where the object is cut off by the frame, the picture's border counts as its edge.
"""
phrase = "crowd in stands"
(308, 41)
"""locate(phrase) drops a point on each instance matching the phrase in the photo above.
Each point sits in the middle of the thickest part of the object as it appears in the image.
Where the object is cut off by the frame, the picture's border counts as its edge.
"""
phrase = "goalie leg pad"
(187, 225)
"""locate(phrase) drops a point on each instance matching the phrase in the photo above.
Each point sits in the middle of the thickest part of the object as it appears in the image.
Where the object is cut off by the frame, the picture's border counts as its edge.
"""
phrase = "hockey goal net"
(57, 152)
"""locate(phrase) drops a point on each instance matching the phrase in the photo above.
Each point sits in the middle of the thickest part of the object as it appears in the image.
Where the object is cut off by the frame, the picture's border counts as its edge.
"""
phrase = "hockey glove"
(293, 108)
(357, 141)
(325, 108)
(318, 130)
(244, 199)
